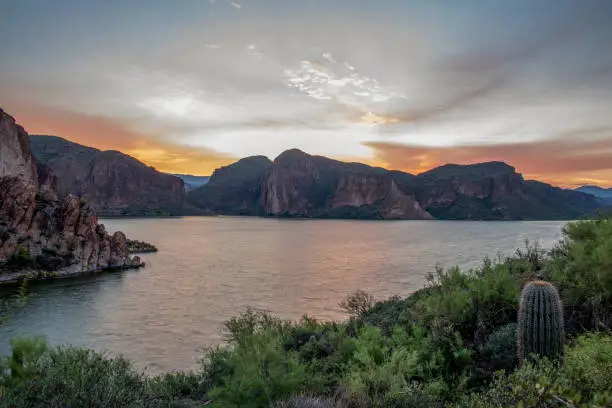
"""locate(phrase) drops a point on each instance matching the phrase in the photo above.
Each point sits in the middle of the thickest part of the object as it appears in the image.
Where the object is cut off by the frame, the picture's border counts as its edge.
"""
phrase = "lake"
(209, 269)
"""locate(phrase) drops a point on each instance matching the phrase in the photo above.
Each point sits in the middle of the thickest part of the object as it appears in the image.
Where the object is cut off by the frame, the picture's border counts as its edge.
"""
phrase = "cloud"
(325, 79)
(573, 158)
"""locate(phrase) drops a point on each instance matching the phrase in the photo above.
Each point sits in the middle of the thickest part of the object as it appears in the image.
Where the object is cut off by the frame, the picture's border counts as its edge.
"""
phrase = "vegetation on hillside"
(451, 344)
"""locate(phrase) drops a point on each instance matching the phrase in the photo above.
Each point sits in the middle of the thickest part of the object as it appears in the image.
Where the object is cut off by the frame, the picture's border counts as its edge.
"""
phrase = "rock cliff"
(297, 184)
(301, 185)
(233, 189)
(38, 230)
(493, 191)
(113, 182)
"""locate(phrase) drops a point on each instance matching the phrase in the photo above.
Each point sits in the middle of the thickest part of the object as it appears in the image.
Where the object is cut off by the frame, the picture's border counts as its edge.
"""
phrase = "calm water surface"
(209, 269)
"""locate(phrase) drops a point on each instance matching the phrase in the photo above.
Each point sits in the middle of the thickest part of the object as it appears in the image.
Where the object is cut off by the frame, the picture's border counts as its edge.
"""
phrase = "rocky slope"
(493, 191)
(113, 182)
(300, 185)
(38, 230)
(233, 189)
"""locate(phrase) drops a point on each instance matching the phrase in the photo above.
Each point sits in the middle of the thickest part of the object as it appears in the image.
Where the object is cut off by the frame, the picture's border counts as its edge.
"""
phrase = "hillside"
(115, 183)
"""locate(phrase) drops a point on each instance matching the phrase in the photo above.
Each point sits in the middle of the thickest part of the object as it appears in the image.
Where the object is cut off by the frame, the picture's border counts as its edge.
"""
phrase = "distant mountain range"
(604, 195)
(192, 182)
(297, 184)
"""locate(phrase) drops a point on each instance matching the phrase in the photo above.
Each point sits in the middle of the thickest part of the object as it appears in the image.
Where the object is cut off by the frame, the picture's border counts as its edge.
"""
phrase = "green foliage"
(358, 303)
(588, 364)
(257, 371)
(476, 302)
(306, 402)
(386, 314)
(500, 351)
(21, 259)
(21, 364)
(583, 380)
(581, 269)
(36, 376)
(175, 386)
(540, 321)
(76, 377)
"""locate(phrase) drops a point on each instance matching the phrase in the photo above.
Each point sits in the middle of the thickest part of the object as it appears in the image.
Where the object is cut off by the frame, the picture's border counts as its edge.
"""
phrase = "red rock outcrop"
(60, 235)
(298, 184)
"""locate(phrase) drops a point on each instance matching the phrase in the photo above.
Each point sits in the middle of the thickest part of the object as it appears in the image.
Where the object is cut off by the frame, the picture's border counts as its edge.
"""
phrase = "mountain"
(297, 184)
(233, 189)
(192, 182)
(300, 185)
(113, 182)
(596, 191)
(493, 191)
(40, 230)
(603, 195)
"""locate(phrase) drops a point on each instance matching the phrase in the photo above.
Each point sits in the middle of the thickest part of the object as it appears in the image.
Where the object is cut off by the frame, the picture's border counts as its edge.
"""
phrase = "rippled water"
(209, 269)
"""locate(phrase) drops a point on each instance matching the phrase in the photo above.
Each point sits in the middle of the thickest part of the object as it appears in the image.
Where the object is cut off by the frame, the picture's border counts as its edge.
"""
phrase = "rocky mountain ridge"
(297, 184)
(41, 230)
(113, 182)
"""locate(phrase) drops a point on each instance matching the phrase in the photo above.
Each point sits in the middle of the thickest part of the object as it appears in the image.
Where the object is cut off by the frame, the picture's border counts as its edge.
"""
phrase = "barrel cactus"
(540, 321)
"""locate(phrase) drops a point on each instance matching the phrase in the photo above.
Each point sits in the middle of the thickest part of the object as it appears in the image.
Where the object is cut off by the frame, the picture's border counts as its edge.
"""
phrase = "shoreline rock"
(39, 275)
(140, 247)
(41, 233)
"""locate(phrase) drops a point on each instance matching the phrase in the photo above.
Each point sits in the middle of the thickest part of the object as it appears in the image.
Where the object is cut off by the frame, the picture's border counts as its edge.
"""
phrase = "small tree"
(358, 303)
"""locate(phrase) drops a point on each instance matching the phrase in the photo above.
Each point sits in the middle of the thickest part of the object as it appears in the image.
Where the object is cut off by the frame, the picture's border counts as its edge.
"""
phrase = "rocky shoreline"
(45, 233)
(140, 247)
(14, 277)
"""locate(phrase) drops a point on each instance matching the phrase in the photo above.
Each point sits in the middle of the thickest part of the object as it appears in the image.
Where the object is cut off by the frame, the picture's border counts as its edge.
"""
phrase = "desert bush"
(500, 351)
(581, 269)
(307, 402)
(358, 303)
(588, 364)
(71, 377)
(582, 380)
(386, 314)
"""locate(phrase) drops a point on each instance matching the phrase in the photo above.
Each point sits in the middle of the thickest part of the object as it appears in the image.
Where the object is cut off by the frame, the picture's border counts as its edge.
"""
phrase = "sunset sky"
(188, 86)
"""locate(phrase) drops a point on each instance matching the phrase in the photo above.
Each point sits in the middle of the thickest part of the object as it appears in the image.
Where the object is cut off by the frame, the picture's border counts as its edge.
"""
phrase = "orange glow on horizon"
(565, 163)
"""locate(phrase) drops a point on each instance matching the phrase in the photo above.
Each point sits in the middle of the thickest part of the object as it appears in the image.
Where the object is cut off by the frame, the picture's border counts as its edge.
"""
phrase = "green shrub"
(386, 314)
(74, 377)
(175, 386)
(358, 303)
(581, 269)
(588, 364)
(22, 362)
(500, 351)
(306, 402)
(476, 302)
(582, 381)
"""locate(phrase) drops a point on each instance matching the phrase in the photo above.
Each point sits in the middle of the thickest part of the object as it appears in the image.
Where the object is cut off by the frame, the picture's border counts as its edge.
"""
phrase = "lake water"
(209, 269)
